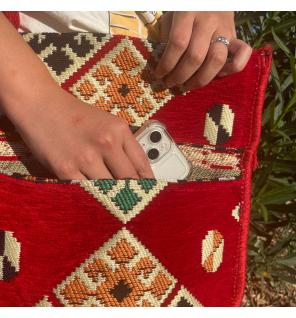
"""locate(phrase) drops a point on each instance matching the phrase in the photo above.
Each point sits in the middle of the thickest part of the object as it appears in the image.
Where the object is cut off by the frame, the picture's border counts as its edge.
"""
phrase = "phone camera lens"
(155, 136)
(153, 154)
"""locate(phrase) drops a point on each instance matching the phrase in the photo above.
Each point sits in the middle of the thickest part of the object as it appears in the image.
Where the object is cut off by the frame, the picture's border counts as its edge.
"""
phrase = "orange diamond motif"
(122, 83)
(121, 273)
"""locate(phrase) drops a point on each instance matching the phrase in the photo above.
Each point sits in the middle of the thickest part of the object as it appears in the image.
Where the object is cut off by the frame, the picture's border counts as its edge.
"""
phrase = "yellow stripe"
(138, 24)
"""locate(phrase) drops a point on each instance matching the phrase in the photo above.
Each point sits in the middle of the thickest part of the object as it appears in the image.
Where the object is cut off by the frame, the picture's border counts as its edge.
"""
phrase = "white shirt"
(64, 21)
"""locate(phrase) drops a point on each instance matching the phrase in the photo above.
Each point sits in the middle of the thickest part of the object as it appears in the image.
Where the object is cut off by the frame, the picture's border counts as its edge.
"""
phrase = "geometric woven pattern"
(236, 212)
(212, 251)
(124, 198)
(219, 124)
(121, 84)
(211, 163)
(184, 299)
(65, 56)
(44, 302)
(121, 273)
(131, 242)
(10, 250)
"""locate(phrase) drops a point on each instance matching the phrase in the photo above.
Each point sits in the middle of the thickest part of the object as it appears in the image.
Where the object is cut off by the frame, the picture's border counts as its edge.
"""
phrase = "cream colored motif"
(219, 124)
(209, 163)
(184, 299)
(236, 212)
(124, 199)
(121, 273)
(44, 302)
(79, 60)
(121, 83)
(212, 251)
(10, 256)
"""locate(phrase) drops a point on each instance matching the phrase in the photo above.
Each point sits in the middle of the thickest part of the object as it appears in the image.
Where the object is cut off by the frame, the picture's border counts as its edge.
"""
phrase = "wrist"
(24, 101)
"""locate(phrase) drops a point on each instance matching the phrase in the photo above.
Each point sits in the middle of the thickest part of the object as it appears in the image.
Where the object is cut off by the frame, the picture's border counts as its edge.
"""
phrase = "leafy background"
(271, 278)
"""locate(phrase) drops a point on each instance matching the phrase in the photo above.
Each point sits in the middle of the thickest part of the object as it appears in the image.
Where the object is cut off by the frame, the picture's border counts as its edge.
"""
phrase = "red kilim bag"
(134, 242)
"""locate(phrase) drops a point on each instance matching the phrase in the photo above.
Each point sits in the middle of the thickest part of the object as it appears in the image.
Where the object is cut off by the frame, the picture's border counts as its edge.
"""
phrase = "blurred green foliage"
(272, 238)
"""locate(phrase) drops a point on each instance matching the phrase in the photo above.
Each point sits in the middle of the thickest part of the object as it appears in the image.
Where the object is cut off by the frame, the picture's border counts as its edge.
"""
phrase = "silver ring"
(221, 39)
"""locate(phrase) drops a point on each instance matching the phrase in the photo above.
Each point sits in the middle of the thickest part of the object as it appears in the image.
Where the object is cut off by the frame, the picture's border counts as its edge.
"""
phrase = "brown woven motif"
(121, 273)
(219, 124)
(10, 250)
(184, 299)
(121, 83)
(64, 54)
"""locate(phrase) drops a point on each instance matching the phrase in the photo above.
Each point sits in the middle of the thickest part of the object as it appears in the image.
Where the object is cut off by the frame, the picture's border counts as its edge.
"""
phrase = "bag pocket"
(209, 163)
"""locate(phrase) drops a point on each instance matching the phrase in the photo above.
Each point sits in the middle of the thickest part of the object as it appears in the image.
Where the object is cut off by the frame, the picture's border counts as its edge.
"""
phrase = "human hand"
(79, 141)
(190, 59)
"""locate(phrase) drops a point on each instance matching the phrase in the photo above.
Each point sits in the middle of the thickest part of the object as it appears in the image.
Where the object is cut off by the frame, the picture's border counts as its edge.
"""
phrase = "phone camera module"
(155, 136)
(153, 154)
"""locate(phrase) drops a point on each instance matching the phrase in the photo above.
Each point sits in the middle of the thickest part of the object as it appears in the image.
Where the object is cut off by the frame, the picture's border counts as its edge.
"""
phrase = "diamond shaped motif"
(124, 198)
(121, 291)
(131, 277)
(123, 84)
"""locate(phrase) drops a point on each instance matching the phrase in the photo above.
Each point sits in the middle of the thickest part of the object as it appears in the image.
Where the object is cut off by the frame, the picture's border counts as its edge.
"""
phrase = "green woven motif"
(147, 184)
(124, 198)
(105, 185)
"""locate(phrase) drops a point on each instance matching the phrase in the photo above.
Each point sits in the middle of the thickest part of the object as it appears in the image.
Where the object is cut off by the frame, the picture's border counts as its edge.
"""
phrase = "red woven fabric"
(59, 226)
(13, 17)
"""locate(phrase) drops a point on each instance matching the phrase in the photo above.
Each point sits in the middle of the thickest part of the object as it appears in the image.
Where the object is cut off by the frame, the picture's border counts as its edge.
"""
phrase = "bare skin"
(71, 138)
(189, 57)
(77, 141)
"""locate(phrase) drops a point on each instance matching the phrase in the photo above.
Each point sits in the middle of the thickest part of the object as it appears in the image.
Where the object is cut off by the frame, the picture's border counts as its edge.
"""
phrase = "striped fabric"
(142, 24)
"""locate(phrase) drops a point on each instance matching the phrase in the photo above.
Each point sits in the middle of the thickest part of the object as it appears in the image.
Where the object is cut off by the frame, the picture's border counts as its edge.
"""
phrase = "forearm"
(24, 79)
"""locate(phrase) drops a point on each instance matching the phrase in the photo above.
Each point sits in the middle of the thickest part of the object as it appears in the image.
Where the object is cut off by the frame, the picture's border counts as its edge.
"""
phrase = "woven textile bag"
(131, 242)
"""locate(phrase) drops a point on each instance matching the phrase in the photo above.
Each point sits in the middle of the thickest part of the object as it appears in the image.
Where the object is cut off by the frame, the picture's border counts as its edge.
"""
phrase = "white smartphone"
(166, 159)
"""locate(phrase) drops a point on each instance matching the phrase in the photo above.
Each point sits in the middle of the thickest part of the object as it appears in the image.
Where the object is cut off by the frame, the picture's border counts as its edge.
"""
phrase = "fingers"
(138, 158)
(193, 57)
(179, 38)
(130, 162)
(120, 165)
(213, 63)
(78, 176)
(116, 154)
(241, 53)
(190, 57)
(96, 170)
(165, 23)
(66, 173)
